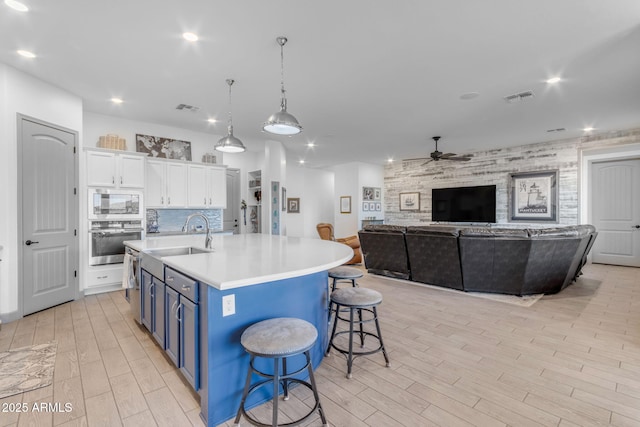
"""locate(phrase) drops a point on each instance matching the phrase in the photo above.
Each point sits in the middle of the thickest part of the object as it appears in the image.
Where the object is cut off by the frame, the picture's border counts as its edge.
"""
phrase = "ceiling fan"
(439, 155)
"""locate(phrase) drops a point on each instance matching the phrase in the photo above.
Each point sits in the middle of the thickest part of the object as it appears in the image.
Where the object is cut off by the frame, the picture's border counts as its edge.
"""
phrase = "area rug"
(27, 368)
(523, 301)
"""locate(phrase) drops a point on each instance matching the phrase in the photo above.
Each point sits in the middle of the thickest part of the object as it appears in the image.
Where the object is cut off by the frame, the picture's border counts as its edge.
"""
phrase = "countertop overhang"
(249, 259)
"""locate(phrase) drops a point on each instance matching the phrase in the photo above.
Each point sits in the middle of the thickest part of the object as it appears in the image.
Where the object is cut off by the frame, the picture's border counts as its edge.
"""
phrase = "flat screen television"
(464, 204)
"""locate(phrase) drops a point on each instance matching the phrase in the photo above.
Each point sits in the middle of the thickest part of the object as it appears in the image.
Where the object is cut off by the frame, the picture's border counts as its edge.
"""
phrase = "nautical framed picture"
(410, 201)
(293, 205)
(533, 196)
(345, 204)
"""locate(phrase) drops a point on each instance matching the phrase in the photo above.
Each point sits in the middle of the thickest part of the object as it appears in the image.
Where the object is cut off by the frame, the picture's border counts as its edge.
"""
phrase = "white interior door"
(615, 195)
(49, 216)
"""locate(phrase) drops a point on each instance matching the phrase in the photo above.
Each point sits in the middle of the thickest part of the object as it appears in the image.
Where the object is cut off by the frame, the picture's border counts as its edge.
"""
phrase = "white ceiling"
(366, 79)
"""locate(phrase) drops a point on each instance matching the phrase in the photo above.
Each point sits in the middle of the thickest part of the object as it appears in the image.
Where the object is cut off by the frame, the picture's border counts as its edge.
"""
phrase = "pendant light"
(282, 123)
(230, 144)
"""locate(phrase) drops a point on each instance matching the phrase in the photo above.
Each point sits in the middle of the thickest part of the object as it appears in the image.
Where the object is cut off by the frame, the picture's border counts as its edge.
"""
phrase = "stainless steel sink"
(162, 252)
(151, 259)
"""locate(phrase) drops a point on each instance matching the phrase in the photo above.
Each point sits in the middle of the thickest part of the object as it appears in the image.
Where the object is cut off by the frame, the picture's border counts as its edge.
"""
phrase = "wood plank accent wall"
(493, 167)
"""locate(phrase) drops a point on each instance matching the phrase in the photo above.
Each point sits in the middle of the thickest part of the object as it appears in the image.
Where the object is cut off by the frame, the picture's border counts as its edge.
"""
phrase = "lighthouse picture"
(533, 196)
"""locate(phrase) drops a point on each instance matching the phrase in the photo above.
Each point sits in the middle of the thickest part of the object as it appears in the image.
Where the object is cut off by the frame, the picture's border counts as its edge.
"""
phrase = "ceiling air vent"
(556, 130)
(517, 97)
(187, 107)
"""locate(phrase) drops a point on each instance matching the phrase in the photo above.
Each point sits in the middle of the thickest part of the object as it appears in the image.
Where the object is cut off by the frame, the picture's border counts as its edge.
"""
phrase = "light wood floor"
(572, 359)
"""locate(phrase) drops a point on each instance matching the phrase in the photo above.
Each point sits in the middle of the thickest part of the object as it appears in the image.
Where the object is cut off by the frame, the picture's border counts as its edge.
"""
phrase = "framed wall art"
(365, 206)
(167, 148)
(533, 196)
(293, 205)
(345, 204)
(410, 201)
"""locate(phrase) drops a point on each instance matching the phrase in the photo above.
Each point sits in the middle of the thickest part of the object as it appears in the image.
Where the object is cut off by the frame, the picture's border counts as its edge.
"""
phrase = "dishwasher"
(134, 278)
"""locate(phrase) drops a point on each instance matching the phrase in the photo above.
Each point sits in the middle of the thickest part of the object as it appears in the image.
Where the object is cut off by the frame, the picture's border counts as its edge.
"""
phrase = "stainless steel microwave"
(108, 204)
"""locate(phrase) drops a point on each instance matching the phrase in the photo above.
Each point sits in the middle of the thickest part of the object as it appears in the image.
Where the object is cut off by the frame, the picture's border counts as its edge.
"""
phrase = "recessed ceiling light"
(26, 54)
(302, 162)
(311, 145)
(553, 80)
(190, 37)
(588, 129)
(390, 160)
(212, 120)
(117, 100)
(16, 5)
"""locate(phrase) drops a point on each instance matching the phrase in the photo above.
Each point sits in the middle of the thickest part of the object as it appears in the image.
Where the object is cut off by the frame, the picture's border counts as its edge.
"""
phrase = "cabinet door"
(198, 186)
(155, 180)
(146, 285)
(171, 331)
(217, 187)
(131, 171)
(158, 314)
(101, 169)
(189, 351)
(176, 185)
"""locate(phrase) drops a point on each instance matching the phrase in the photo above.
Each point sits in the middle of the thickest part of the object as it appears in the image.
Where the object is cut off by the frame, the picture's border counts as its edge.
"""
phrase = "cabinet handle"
(162, 200)
(178, 316)
(121, 181)
(170, 278)
(205, 200)
(174, 304)
(152, 288)
(102, 277)
(186, 288)
(113, 179)
(210, 200)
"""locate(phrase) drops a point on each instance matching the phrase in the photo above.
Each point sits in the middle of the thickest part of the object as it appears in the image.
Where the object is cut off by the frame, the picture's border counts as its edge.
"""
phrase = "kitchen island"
(243, 280)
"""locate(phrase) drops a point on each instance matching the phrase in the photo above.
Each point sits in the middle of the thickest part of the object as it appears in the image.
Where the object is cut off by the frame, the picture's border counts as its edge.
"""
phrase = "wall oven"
(111, 204)
(106, 241)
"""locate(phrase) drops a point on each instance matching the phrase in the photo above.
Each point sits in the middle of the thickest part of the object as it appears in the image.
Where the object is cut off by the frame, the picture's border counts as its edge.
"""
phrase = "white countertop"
(249, 259)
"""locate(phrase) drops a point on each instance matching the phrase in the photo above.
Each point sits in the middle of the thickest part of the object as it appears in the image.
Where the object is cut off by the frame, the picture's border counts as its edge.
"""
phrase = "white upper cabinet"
(217, 186)
(115, 170)
(198, 196)
(207, 186)
(166, 184)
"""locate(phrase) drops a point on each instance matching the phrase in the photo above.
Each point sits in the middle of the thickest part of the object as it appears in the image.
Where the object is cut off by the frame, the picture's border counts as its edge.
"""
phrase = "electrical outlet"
(228, 305)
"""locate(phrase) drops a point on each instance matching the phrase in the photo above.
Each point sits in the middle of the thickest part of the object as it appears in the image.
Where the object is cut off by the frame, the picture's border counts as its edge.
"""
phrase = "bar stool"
(278, 339)
(344, 273)
(356, 299)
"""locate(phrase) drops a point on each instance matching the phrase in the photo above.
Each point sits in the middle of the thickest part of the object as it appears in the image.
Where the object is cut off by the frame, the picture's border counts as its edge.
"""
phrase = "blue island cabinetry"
(224, 362)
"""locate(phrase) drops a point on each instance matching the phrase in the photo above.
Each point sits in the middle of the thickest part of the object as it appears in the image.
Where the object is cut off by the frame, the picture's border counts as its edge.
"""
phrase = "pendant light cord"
(283, 102)
(230, 124)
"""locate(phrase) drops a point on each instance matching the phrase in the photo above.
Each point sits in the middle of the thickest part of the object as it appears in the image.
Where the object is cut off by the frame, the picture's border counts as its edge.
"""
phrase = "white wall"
(370, 176)
(346, 184)
(314, 187)
(23, 94)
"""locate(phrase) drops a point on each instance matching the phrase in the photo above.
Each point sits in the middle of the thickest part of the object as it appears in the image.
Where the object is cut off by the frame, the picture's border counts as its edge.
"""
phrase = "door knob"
(29, 243)
(635, 226)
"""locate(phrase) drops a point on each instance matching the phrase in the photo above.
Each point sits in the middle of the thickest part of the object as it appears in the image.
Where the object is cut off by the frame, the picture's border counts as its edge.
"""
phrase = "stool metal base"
(350, 353)
(284, 379)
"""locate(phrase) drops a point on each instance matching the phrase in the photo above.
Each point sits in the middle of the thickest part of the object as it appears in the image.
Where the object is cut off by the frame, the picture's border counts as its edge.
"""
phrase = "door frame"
(76, 220)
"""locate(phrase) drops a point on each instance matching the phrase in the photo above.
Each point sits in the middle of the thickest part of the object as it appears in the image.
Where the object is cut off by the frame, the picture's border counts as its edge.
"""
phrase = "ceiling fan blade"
(447, 155)
(415, 159)
(458, 159)
(428, 161)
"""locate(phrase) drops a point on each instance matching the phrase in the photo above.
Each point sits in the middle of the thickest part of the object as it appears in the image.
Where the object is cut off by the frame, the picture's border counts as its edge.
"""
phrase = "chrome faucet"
(208, 239)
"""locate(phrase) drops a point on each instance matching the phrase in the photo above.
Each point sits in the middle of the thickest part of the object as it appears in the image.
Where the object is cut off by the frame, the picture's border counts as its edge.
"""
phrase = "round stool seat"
(343, 272)
(356, 297)
(279, 337)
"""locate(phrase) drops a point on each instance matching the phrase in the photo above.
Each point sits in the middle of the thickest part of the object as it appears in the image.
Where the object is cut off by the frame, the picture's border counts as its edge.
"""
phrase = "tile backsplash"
(172, 220)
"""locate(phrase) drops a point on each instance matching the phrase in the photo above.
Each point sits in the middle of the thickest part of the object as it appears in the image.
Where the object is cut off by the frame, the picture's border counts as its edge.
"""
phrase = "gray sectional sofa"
(479, 259)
